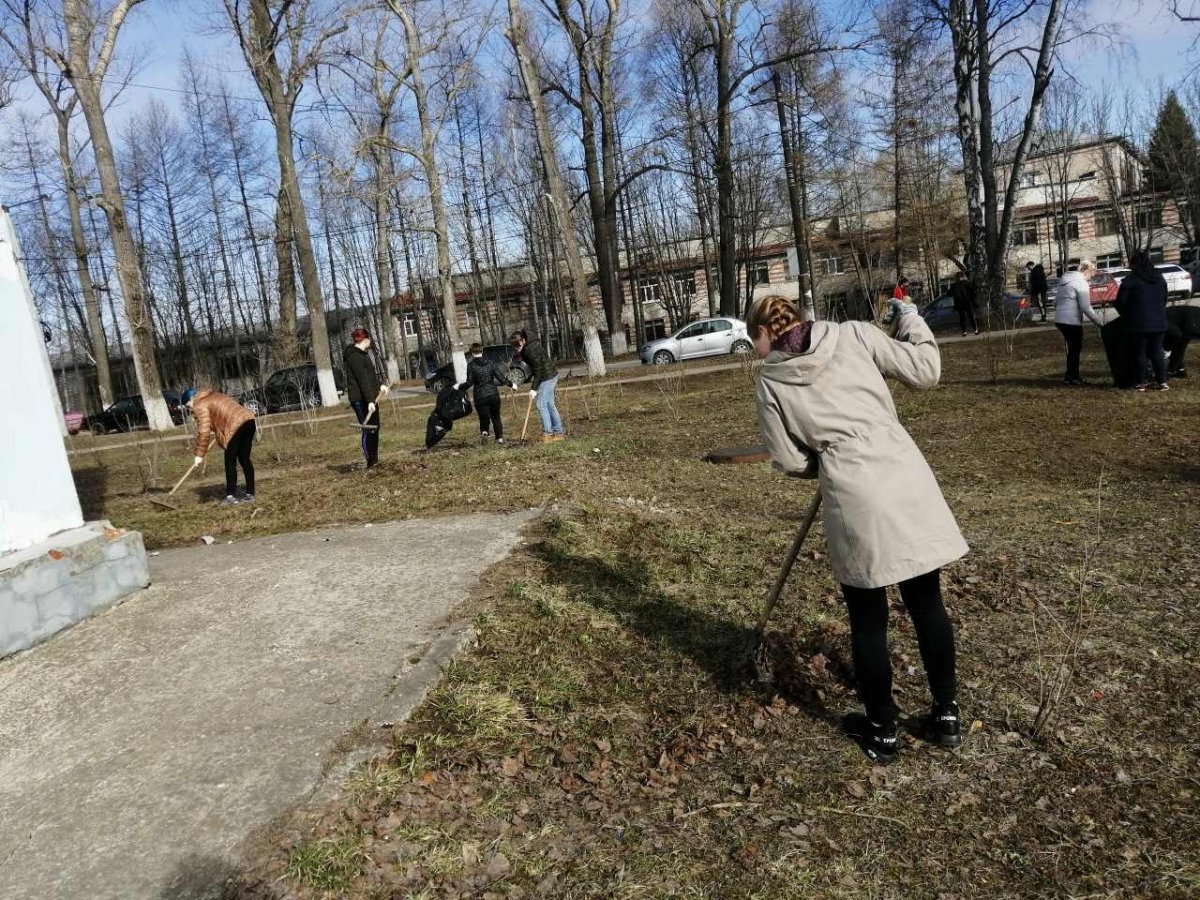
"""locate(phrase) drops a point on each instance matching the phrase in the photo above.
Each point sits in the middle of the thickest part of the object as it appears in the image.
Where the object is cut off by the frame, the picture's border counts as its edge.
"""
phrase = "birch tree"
(593, 352)
(984, 35)
(423, 42)
(283, 42)
(92, 31)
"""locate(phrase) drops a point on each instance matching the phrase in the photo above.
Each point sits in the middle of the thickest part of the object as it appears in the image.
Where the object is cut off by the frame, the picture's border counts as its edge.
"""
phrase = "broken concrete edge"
(65, 580)
(412, 685)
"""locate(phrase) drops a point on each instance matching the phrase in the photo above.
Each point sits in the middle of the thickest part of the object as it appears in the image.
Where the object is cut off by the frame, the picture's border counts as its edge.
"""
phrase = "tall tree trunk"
(289, 180)
(726, 210)
(83, 272)
(141, 328)
(381, 158)
(433, 180)
(592, 349)
(185, 307)
(795, 201)
(251, 239)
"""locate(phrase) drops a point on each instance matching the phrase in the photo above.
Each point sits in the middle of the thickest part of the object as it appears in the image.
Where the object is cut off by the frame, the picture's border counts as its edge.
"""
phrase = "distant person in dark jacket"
(364, 391)
(545, 380)
(1038, 286)
(1142, 303)
(963, 293)
(484, 376)
(1183, 325)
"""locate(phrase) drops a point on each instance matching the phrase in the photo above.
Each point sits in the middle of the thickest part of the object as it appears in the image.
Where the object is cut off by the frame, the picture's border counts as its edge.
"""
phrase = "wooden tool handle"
(528, 410)
(183, 479)
(786, 570)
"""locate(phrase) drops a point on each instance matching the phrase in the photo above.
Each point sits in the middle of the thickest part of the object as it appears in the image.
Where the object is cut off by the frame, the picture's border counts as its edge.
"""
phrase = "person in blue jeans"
(545, 380)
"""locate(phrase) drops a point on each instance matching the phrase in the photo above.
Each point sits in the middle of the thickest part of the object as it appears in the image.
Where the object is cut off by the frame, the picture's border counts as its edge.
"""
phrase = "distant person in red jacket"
(901, 291)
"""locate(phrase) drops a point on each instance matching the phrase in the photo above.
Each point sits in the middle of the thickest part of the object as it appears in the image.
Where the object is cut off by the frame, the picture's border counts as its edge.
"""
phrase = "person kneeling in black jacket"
(484, 376)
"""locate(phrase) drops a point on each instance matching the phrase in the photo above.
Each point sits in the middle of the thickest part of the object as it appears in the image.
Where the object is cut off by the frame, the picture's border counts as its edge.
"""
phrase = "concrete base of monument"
(66, 578)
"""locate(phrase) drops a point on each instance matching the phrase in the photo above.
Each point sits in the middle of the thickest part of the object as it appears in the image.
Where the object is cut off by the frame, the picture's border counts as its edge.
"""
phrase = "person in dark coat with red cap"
(364, 390)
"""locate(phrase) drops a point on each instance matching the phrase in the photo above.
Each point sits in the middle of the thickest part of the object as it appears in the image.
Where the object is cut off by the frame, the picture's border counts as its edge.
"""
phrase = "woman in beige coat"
(826, 412)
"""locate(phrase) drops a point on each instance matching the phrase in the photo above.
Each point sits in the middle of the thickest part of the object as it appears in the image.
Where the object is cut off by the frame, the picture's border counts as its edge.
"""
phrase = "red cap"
(359, 335)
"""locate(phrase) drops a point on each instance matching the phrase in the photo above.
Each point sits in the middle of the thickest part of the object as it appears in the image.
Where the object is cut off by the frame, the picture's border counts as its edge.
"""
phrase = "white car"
(1117, 274)
(707, 337)
(1179, 279)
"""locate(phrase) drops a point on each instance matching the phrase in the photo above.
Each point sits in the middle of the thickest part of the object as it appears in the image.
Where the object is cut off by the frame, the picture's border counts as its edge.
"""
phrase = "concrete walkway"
(138, 749)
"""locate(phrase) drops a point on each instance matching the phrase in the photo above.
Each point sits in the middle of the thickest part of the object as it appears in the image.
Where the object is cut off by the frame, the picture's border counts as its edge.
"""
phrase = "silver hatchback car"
(706, 337)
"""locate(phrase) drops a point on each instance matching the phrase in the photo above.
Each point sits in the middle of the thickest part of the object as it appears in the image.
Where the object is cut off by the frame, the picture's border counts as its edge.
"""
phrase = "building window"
(472, 317)
(1025, 234)
(1189, 254)
(760, 273)
(649, 290)
(685, 283)
(1072, 229)
(655, 329)
(230, 367)
(1028, 179)
(1106, 223)
(1109, 260)
(1073, 264)
(409, 323)
(833, 263)
(1149, 217)
(1088, 176)
(1155, 254)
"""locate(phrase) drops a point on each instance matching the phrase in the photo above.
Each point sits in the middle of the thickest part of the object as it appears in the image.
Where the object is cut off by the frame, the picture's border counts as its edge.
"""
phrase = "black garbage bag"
(452, 405)
(1119, 353)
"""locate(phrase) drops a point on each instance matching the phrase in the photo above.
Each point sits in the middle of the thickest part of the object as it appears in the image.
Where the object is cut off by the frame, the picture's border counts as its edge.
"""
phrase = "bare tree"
(983, 35)
(563, 214)
(283, 42)
(24, 39)
(424, 41)
(91, 40)
(375, 77)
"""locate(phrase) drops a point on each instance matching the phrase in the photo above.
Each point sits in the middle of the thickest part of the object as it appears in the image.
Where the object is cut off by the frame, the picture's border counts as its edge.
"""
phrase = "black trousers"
(489, 415)
(1039, 300)
(967, 315)
(370, 436)
(868, 609)
(1148, 354)
(238, 452)
(1073, 335)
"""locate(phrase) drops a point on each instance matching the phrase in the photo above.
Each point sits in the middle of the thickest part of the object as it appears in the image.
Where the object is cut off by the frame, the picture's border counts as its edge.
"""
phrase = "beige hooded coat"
(829, 412)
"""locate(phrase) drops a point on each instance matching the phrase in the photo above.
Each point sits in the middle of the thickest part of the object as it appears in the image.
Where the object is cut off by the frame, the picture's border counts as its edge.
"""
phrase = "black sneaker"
(942, 726)
(879, 741)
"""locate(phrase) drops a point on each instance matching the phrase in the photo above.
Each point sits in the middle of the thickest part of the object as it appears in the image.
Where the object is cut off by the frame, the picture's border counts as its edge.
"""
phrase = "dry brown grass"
(599, 742)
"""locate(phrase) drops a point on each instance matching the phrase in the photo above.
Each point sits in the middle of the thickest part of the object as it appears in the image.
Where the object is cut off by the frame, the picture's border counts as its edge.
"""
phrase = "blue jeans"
(551, 421)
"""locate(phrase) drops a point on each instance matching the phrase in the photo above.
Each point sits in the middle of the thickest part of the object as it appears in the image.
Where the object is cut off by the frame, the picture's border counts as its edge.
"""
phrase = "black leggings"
(868, 609)
(489, 416)
(370, 436)
(237, 452)
(1073, 335)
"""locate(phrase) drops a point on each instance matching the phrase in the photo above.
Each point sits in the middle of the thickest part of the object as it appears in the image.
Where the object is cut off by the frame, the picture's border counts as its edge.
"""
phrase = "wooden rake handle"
(786, 570)
(528, 410)
(183, 479)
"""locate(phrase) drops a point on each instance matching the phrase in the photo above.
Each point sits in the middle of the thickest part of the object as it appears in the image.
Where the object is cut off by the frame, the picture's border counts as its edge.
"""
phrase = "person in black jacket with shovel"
(484, 376)
(364, 391)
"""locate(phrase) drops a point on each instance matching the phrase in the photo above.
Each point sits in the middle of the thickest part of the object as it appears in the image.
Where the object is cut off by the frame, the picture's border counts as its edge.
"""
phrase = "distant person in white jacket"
(1072, 303)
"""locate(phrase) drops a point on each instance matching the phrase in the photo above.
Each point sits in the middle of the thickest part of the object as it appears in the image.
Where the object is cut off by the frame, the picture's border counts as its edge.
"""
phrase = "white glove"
(198, 460)
(370, 410)
(383, 389)
(533, 395)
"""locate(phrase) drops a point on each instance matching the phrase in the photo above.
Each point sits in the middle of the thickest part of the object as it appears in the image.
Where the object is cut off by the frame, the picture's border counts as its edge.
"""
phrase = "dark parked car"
(129, 413)
(940, 315)
(514, 370)
(289, 389)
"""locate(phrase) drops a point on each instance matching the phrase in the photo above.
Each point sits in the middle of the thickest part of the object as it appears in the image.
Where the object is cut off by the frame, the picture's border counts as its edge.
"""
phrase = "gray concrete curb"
(412, 687)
